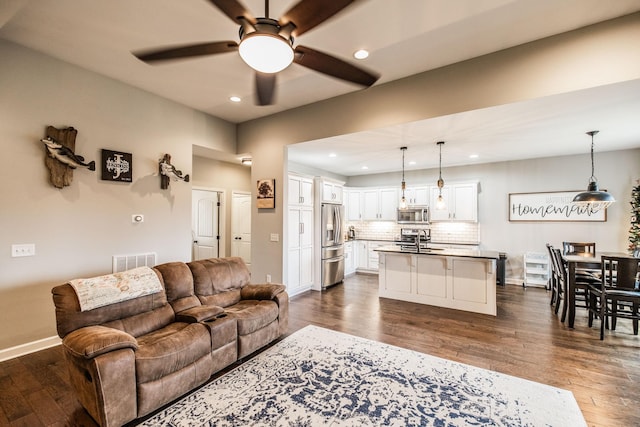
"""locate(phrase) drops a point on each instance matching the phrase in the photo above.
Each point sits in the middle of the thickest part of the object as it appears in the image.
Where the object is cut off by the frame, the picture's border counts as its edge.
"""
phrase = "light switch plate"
(275, 237)
(25, 249)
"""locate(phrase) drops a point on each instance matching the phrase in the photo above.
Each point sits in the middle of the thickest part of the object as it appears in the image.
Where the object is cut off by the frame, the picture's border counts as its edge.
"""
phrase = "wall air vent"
(127, 262)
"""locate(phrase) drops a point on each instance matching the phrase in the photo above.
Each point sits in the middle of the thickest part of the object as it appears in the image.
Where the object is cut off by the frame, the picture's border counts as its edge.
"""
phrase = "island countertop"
(469, 253)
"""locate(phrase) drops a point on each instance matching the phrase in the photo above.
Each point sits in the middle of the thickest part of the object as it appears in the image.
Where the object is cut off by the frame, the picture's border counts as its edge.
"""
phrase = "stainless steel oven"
(414, 215)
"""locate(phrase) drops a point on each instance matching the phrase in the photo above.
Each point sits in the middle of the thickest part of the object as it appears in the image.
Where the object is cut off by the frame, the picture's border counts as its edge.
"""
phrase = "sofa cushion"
(170, 349)
(253, 315)
(178, 284)
(69, 317)
(218, 276)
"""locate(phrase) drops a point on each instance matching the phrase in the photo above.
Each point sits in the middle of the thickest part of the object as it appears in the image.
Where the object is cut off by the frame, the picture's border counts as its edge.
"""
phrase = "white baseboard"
(30, 347)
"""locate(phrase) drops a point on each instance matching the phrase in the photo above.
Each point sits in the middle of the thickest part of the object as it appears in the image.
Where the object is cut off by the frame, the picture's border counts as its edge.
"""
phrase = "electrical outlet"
(26, 249)
(268, 278)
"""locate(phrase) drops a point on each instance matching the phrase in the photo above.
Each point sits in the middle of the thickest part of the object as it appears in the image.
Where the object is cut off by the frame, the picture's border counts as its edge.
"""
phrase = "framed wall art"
(266, 198)
(551, 206)
(117, 166)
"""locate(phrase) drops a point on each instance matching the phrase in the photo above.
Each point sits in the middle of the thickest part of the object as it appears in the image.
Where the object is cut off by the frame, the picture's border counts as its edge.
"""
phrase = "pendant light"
(440, 203)
(403, 201)
(593, 197)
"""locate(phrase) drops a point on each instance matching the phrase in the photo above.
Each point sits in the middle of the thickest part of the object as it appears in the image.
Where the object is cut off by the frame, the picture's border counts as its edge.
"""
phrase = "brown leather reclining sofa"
(129, 358)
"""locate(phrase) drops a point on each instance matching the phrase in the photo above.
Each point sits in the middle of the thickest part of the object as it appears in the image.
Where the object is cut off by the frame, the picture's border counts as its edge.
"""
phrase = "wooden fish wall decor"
(168, 172)
(61, 159)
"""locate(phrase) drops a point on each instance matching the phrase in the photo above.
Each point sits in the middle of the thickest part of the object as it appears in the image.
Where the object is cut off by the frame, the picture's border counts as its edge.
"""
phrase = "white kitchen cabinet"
(300, 249)
(361, 254)
(461, 201)
(331, 191)
(350, 258)
(373, 257)
(353, 204)
(300, 191)
(415, 196)
(379, 204)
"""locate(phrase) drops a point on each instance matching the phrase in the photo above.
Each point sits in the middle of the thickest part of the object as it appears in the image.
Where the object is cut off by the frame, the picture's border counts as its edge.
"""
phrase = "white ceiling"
(405, 37)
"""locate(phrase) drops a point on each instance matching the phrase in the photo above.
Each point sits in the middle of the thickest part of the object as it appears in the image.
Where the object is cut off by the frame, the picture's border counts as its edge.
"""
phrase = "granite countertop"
(469, 253)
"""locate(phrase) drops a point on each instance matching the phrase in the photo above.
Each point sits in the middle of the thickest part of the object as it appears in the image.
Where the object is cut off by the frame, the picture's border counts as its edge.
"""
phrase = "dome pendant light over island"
(593, 197)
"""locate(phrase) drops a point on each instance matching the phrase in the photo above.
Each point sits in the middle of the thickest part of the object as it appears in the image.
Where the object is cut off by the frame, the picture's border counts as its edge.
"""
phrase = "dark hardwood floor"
(526, 339)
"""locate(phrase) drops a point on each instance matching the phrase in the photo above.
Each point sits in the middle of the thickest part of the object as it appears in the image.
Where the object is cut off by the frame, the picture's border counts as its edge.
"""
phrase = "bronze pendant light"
(403, 201)
(593, 197)
(440, 202)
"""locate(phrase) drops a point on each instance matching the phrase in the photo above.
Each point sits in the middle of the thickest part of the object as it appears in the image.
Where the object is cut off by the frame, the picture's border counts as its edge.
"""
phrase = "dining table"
(575, 262)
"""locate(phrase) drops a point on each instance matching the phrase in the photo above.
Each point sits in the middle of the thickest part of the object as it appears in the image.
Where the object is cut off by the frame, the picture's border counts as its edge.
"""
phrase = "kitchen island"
(452, 278)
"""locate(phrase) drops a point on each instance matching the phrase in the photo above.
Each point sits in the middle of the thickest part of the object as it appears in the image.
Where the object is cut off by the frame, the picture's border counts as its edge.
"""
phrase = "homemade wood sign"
(61, 159)
(553, 206)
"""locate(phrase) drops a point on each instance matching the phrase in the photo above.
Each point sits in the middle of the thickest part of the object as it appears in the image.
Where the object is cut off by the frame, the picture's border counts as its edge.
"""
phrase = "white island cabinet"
(462, 280)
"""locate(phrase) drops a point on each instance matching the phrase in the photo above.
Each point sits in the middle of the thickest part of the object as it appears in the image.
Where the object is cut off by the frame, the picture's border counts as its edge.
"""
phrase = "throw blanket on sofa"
(117, 287)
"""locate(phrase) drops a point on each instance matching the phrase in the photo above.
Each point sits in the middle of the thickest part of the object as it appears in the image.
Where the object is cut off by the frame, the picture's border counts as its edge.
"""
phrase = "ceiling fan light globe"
(266, 53)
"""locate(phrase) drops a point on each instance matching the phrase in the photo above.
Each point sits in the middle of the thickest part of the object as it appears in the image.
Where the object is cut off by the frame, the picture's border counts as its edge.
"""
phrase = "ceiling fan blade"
(265, 88)
(308, 14)
(186, 51)
(332, 66)
(234, 10)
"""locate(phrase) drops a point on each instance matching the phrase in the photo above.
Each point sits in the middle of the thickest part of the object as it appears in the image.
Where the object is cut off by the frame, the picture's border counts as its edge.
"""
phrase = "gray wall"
(77, 229)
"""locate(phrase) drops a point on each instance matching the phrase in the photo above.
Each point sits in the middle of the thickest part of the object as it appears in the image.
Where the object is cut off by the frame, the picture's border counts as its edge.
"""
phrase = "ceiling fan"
(266, 44)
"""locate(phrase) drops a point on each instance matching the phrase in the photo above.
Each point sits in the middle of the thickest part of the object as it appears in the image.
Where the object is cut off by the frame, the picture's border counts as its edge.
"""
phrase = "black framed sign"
(117, 166)
(551, 206)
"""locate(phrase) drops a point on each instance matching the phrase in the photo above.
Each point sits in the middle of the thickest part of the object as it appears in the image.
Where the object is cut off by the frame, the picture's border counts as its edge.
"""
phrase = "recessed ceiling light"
(333, 155)
(365, 168)
(235, 99)
(473, 156)
(412, 162)
(361, 54)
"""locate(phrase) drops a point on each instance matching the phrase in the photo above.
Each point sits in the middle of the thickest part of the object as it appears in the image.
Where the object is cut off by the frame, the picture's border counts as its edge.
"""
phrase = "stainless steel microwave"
(414, 215)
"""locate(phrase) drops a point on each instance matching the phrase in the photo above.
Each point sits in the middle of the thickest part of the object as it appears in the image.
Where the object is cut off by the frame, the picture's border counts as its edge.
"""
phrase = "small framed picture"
(116, 166)
(266, 198)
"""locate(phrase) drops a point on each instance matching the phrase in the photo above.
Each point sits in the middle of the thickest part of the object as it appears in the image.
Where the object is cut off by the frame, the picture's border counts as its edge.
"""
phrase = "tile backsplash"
(441, 232)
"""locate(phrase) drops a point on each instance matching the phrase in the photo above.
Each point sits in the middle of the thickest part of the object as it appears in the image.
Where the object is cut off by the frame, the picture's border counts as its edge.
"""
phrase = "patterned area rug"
(318, 377)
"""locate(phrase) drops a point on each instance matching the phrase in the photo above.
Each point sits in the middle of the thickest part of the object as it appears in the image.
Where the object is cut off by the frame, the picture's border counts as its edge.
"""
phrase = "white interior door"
(241, 226)
(205, 224)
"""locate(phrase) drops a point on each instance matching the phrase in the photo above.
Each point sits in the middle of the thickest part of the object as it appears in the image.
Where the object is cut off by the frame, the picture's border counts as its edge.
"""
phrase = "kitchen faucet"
(418, 239)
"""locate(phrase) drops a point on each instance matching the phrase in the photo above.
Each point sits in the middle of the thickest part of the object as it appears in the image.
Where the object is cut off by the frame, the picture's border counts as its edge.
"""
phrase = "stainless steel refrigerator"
(332, 244)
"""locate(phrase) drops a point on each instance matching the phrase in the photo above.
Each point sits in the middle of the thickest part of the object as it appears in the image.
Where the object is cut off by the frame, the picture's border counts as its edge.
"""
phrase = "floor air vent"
(127, 262)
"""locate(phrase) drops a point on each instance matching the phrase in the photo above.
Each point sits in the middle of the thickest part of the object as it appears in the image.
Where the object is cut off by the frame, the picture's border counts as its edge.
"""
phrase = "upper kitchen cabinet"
(417, 196)
(353, 204)
(461, 201)
(300, 191)
(331, 190)
(379, 204)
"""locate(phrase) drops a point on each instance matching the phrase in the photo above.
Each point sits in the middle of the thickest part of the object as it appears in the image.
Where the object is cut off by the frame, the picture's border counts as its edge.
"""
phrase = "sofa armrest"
(92, 341)
(199, 313)
(267, 291)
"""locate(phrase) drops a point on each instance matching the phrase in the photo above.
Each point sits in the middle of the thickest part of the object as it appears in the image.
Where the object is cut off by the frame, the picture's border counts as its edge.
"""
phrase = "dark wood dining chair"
(587, 249)
(555, 281)
(618, 294)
